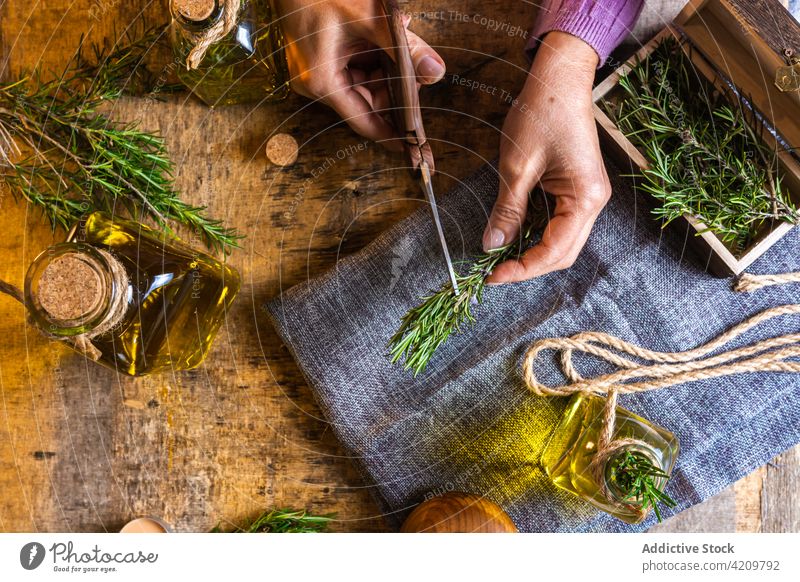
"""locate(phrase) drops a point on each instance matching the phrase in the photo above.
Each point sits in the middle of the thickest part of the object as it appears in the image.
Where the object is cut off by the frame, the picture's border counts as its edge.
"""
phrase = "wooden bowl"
(457, 512)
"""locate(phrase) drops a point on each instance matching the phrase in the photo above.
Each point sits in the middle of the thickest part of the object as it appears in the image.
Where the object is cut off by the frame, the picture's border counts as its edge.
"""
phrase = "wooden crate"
(722, 47)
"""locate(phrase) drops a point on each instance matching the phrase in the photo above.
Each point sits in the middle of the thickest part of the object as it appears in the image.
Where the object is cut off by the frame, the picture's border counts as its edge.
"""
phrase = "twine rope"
(655, 370)
(671, 368)
(747, 282)
(607, 447)
(12, 291)
(217, 32)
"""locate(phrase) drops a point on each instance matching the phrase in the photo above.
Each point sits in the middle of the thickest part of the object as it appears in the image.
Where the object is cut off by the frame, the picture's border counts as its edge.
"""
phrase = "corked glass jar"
(245, 65)
(122, 295)
(568, 456)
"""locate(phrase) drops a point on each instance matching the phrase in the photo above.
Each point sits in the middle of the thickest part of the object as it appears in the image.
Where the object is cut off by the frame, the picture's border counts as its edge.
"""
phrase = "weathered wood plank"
(780, 496)
(773, 22)
(748, 502)
(717, 514)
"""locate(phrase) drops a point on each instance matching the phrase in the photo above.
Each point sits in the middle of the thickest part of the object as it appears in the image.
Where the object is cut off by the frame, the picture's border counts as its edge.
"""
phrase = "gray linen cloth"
(469, 423)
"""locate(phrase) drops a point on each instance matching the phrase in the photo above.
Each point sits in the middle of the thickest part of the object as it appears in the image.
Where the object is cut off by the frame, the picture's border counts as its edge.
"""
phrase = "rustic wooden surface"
(82, 449)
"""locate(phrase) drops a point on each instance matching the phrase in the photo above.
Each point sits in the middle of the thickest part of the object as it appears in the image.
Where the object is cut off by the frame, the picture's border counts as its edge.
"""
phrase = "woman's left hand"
(550, 139)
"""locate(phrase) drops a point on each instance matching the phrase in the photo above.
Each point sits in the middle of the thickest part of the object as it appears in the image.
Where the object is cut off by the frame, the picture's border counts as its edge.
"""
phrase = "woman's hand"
(550, 139)
(332, 53)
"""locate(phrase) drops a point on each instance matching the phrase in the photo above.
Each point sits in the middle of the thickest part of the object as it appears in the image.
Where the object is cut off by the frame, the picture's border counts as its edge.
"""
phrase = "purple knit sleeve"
(603, 24)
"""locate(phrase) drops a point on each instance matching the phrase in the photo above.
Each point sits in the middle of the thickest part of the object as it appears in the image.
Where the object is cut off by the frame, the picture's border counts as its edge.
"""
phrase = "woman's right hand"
(332, 53)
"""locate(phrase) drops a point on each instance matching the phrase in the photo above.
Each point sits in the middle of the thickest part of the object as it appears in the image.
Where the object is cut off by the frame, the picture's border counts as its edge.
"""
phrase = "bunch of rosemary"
(707, 158)
(283, 521)
(426, 327)
(60, 152)
(642, 482)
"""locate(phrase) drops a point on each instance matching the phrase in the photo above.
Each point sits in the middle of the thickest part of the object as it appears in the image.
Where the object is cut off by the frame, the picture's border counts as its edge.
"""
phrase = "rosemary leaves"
(705, 147)
(59, 152)
(283, 521)
(426, 327)
(641, 480)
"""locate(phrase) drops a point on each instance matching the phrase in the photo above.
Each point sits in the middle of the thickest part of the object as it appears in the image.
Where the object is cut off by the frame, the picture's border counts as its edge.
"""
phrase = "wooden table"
(82, 449)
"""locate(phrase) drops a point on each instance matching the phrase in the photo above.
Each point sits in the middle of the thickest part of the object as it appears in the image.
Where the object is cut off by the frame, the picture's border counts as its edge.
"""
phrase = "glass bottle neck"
(617, 490)
(74, 288)
(195, 16)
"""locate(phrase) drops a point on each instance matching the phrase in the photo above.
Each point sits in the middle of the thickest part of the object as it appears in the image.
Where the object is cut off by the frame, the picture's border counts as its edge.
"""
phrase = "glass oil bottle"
(145, 304)
(569, 453)
(247, 65)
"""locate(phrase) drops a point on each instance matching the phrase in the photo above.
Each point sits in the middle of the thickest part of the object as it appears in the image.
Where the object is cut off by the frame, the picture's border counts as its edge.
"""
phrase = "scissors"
(402, 82)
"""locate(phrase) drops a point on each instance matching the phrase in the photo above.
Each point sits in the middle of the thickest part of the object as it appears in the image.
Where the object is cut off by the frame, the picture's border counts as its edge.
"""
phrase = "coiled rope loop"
(670, 368)
(747, 282)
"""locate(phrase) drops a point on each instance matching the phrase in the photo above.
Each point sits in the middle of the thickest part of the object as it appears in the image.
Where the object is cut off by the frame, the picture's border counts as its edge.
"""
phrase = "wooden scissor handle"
(402, 82)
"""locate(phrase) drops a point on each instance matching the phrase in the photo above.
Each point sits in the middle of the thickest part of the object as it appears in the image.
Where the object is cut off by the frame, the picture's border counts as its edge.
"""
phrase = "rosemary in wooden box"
(724, 158)
(708, 157)
(702, 117)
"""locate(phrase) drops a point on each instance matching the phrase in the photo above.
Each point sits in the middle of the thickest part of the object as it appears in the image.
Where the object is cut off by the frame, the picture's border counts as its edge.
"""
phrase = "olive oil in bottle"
(569, 453)
(246, 65)
(126, 297)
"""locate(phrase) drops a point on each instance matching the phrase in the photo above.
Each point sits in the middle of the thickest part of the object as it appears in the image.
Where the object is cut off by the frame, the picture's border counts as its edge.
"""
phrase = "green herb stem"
(642, 482)
(426, 327)
(59, 152)
(284, 521)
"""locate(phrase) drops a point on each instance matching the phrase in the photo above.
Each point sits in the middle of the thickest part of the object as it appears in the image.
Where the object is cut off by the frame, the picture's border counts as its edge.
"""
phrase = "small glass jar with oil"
(567, 458)
(130, 298)
(247, 65)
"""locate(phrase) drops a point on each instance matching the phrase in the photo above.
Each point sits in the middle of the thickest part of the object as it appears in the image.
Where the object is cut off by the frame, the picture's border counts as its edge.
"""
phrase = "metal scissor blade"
(427, 187)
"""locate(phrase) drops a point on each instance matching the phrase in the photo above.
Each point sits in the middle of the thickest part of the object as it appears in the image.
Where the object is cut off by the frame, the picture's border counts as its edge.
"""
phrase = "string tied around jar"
(214, 33)
(641, 369)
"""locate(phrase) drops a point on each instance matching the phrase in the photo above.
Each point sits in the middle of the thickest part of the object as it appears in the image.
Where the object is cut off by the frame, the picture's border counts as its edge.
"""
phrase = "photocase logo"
(31, 555)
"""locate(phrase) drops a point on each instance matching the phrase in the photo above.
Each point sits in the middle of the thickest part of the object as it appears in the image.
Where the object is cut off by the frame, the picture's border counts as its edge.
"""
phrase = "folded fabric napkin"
(469, 423)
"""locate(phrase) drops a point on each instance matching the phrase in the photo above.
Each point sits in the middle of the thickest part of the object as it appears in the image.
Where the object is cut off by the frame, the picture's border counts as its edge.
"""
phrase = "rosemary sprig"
(58, 150)
(707, 158)
(426, 327)
(284, 521)
(642, 482)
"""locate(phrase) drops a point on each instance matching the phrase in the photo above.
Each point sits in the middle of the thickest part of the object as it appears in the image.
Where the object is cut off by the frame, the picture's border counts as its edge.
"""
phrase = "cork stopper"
(282, 149)
(71, 288)
(194, 10)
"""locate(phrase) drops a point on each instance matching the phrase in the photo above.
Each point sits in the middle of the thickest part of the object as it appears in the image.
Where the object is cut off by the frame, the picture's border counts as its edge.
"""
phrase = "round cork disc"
(70, 288)
(194, 10)
(282, 149)
(457, 512)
